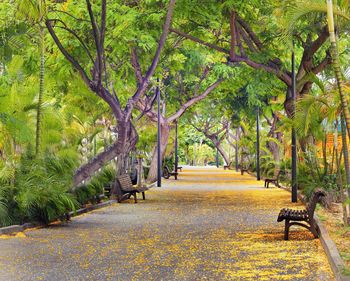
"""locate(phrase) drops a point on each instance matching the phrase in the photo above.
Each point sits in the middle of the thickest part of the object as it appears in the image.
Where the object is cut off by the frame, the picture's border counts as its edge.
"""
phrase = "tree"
(183, 90)
(35, 11)
(232, 32)
(98, 80)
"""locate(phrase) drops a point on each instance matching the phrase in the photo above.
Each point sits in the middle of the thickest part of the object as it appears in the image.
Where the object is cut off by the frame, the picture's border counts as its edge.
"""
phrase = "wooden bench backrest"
(125, 183)
(315, 198)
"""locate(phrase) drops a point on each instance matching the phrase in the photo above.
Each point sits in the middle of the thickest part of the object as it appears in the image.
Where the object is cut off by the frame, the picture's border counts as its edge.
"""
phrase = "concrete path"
(209, 225)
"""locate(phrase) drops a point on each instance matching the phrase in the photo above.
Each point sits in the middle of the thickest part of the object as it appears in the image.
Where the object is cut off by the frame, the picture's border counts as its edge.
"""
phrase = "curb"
(332, 253)
(91, 208)
(20, 228)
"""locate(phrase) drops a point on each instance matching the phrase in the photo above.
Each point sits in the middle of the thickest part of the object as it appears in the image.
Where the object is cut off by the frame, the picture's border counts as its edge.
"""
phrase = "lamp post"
(217, 158)
(294, 139)
(257, 144)
(236, 155)
(217, 155)
(176, 149)
(159, 157)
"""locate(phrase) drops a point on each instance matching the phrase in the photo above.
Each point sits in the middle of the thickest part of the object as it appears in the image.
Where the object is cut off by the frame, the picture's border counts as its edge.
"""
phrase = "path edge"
(12, 229)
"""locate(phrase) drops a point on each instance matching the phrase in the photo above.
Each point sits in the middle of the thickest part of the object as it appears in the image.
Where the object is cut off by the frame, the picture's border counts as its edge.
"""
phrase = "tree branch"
(310, 49)
(247, 39)
(323, 64)
(194, 100)
(142, 88)
(136, 65)
(233, 36)
(195, 39)
(75, 64)
(250, 32)
(282, 75)
(75, 35)
(98, 68)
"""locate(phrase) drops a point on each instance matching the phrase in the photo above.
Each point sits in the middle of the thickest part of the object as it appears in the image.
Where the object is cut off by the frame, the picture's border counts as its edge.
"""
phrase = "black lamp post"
(294, 139)
(257, 144)
(217, 154)
(176, 149)
(236, 154)
(217, 158)
(159, 156)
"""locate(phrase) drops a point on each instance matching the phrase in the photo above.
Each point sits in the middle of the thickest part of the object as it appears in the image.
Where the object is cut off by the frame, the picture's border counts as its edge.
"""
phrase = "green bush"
(47, 202)
(90, 192)
(43, 194)
(4, 218)
(38, 189)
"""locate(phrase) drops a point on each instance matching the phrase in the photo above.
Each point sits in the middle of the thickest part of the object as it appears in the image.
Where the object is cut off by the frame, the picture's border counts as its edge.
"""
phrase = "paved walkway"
(209, 225)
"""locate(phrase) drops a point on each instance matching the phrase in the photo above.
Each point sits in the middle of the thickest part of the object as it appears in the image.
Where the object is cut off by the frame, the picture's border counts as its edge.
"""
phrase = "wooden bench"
(124, 189)
(227, 166)
(274, 179)
(244, 170)
(297, 217)
(167, 174)
(179, 168)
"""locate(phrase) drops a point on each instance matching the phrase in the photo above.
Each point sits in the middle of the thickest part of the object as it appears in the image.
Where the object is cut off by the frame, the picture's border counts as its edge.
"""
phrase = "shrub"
(41, 188)
(47, 202)
(4, 218)
(90, 192)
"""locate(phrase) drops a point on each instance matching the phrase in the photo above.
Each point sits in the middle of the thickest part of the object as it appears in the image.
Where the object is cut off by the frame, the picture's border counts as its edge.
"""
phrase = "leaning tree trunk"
(222, 152)
(41, 92)
(127, 138)
(165, 132)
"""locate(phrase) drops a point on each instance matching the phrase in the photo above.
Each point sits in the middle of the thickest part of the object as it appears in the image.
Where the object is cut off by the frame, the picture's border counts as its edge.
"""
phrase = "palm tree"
(336, 66)
(34, 11)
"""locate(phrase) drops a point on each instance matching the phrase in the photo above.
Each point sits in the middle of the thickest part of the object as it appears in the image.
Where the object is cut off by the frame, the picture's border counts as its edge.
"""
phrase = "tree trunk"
(41, 92)
(165, 131)
(222, 152)
(127, 138)
(347, 170)
(337, 68)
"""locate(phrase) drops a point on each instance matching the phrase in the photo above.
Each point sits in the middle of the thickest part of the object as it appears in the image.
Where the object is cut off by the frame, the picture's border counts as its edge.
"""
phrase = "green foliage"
(4, 218)
(43, 185)
(90, 192)
(46, 201)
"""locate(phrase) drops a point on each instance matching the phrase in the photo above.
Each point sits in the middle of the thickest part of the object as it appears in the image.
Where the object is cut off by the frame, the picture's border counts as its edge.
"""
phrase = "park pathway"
(209, 225)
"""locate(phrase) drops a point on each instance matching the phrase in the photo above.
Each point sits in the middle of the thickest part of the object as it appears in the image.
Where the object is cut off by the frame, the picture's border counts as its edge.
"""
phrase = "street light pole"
(159, 157)
(176, 149)
(257, 144)
(294, 139)
(236, 155)
(217, 154)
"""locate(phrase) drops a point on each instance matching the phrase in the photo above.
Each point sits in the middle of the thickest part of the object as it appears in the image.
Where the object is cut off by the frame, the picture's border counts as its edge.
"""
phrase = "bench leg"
(286, 230)
(265, 184)
(135, 197)
(313, 230)
(143, 196)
